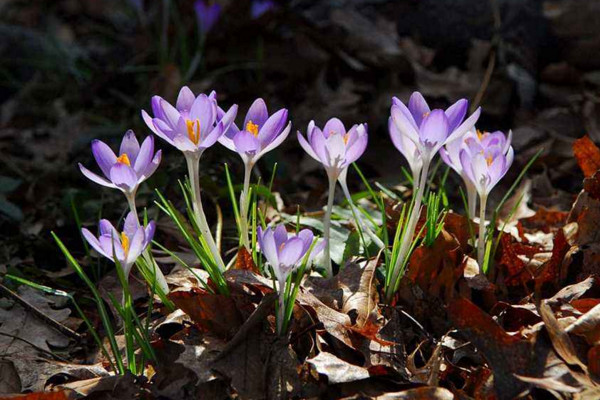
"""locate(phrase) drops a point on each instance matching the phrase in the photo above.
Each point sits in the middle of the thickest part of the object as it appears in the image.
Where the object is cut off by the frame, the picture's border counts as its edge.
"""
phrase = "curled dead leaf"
(587, 155)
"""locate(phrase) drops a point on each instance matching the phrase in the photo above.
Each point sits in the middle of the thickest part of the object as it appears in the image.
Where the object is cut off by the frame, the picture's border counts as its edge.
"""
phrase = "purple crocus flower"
(260, 7)
(334, 147)
(484, 162)
(285, 252)
(193, 124)
(430, 129)
(207, 15)
(261, 133)
(406, 147)
(127, 171)
(126, 246)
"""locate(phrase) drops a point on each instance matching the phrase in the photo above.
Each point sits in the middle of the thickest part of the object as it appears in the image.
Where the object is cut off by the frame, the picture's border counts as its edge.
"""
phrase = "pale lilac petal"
(185, 100)
(307, 237)
(404, 110)
(228, 118)
(404, 125)
(466, 126)
(291, 252)
(456, 113)
(257, 113)
(183, 143)
(145, 155)
(418, 107)
(272, 127)
(319, 146)
(465, 162)
(336, 149)
(205, 111)
(104, 156)
(149, 233)
(95, 243)
(130, 226)
(277, 141)
(306, 146)
(245, 142)
(280, 234)
(212, 137)
(95, 178)
(163, 131)
(106, 228)
(434, 129)
(112, 246)
(333, 126)
(152, 166)
(130, 146)
(148, 120)
(136, 246)
(124, 177)
(269, 248)
(171, 115)
(354, 152)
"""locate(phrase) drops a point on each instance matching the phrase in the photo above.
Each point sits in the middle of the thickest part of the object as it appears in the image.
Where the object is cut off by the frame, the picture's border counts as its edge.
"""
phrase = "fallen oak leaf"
(587, 155)
(587, 325)
(212, 312)
(559, 337)
(337, 370)
(244, 261)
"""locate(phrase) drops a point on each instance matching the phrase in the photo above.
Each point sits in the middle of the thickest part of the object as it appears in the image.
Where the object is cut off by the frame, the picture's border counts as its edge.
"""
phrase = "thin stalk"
(407, 238)
(481, 241)
(471, 198)
(193, 164)
(327, 225)
(281, 306)
(244, 203)
(357, 215)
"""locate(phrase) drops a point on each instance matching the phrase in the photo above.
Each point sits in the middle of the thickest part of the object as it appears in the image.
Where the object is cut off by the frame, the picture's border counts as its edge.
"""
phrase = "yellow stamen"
(252, 128)
(193, 128)
(426, 114)
(481, 134)
(123, 159)
(346, 138)
(489, 160)
(282, 246)
(125, 243)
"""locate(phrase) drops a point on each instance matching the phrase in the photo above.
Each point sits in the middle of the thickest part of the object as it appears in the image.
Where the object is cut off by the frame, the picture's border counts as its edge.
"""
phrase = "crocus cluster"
(285, 252)
(125, 172)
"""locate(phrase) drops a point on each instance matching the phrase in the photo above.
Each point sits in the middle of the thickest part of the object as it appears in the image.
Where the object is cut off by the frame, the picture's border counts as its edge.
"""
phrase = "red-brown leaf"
(587, 155)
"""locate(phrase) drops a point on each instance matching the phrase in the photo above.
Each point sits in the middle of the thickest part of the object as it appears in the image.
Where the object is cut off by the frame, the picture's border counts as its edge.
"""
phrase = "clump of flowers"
(285, 253)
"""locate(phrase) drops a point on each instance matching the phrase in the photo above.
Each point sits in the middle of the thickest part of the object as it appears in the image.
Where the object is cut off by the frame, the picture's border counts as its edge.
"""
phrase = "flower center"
(193, 129)
(123, 159)
(346, 138)
(489, 160)
(125, 243)
(252, 128)
(481, 134)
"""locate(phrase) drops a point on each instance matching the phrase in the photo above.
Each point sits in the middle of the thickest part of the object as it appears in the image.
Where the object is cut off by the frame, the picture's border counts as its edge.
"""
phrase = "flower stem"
(471, 198)
(409, 231)
(327, 225)
(193, 164)
(281, 307)
(481, 241)
(365, 228)
(244, 205)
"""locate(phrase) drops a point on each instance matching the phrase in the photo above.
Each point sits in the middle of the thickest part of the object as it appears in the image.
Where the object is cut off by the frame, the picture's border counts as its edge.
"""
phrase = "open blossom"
(406, 147)
(485, 161)
(193, 124)
(207, 15)
(285, 251)
(334, 147)
(127, 246)
(127, 171)
(428, 129)
(451, 152)
(260, 133)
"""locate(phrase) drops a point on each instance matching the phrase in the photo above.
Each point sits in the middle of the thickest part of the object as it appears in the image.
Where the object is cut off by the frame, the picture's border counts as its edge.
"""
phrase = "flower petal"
(245, 142)
(95, 178)
(276, 142)
(257, 113)
(418, 107)
(151, 167)
(307, 147)
(185, 99)
(434, 129)
(124, 177)
(357, 149)
(334, 125)
(131, 224)
(130, 146)
(104, 156)
(404, 125)
(272, 127)
(94, 242)
(456, 113)
(292, 252)
(144, 157)
(307, 237)
(466, 126)
(204, 110)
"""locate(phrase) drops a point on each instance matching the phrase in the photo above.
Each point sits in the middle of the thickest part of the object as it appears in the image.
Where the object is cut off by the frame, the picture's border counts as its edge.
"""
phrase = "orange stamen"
(252, 128)
(481, 134)
(193, 128)
(346, 138)
(123, 159)
(489, 160)
(125, 243)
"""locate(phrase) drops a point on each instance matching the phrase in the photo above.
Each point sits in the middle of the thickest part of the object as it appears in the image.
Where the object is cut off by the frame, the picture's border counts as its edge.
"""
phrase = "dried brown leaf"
(587, 155)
